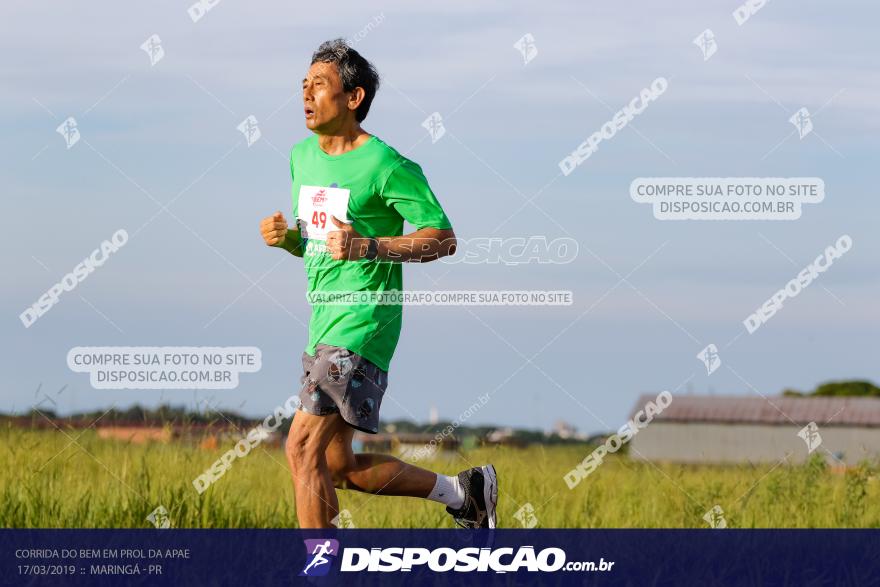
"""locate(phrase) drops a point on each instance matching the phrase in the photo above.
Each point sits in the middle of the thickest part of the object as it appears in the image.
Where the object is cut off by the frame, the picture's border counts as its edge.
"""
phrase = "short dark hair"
(354, 71)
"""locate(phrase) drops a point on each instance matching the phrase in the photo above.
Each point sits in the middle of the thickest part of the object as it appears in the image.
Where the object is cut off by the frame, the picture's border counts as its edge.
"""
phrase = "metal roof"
(828, 411)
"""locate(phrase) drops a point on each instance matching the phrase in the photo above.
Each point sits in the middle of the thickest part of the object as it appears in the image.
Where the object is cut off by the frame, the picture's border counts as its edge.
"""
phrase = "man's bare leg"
(307, 442)
(374, 473)
(321, 459)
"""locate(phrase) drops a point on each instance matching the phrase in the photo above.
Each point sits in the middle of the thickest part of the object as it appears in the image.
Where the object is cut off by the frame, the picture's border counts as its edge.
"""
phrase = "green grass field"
(114, 484)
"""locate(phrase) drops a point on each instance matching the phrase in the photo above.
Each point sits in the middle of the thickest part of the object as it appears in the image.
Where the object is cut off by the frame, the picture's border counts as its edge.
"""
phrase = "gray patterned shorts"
(338, 380)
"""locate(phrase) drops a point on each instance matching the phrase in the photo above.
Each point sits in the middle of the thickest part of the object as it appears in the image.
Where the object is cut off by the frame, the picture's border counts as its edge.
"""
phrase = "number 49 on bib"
(316, 205)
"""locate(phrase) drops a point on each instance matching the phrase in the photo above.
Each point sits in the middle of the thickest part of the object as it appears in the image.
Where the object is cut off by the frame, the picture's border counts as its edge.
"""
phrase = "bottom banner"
(440, 557)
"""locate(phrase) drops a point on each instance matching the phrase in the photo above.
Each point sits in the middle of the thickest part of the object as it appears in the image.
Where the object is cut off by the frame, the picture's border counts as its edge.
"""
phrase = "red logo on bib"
(320, 197)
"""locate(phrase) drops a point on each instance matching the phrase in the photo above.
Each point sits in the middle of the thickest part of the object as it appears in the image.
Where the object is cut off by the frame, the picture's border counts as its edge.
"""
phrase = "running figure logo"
(153, 48)
(249, 127)
(321, 553)
(706, 42)
(715, 518)
(802, 122)
(810, 435)
(526, 47)
(710, 357)
(434, 125)
(69, 131)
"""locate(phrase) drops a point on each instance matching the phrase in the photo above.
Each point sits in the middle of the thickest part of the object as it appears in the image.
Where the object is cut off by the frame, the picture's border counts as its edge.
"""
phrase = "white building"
(715, 429)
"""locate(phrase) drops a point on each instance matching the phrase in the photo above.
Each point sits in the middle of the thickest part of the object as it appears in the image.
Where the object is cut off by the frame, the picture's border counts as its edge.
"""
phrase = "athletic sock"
(448, 490)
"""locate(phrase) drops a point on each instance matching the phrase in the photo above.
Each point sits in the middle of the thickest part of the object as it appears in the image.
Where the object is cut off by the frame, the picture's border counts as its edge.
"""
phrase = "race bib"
(315, 207)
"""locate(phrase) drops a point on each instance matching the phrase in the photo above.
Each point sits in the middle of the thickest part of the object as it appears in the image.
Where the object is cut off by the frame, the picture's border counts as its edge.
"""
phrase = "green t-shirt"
(385, 188)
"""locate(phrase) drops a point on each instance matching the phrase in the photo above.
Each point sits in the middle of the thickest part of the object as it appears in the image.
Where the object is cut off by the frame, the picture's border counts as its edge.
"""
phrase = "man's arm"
(276, 234)
(292, 242)
(422, 246)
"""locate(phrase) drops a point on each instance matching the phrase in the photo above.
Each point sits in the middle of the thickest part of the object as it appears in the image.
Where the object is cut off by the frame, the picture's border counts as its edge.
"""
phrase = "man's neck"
(343, 142)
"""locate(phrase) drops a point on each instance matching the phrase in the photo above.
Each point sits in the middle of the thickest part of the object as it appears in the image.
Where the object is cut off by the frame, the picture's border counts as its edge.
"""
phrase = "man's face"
(324, 101)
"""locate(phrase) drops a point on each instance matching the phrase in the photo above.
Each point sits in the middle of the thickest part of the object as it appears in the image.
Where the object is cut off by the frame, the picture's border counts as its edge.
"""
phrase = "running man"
(351, 195)
(320, 559)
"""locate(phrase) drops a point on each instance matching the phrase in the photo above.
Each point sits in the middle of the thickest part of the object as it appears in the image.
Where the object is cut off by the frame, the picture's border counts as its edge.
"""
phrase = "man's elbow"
(448, 243)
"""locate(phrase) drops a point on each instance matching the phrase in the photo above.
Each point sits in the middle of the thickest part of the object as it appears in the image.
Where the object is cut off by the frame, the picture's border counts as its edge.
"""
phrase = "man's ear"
(356, 96)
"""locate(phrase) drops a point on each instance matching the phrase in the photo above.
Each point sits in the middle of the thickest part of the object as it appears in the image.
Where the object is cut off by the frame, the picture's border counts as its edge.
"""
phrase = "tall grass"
(49, 481)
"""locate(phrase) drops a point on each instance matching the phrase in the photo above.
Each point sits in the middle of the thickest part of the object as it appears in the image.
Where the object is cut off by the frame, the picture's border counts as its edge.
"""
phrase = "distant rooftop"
(828, 411)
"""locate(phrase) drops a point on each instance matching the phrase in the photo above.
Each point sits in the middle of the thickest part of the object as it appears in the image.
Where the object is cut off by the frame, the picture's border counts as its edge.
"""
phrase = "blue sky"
(168, 134)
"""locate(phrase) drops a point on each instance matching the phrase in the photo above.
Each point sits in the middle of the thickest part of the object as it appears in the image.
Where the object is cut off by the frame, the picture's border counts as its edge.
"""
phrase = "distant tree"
(855, 388)
(851, 388)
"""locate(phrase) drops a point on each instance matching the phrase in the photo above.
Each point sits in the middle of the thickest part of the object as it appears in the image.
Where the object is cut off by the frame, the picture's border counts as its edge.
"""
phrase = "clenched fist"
(274, 229)
(345, 242)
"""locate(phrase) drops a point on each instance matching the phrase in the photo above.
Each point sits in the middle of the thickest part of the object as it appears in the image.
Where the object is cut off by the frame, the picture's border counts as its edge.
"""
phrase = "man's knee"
(304, 450)
(340, 459)
(339, 467)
